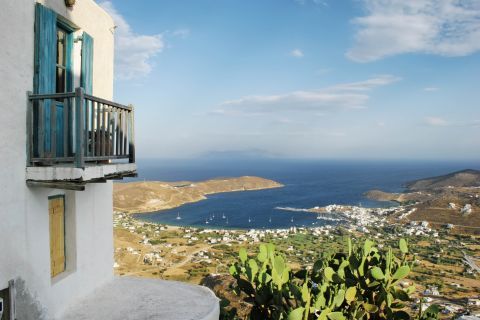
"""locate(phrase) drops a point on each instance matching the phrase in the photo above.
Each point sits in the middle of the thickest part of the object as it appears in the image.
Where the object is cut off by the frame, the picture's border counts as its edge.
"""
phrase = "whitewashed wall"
(24, 224)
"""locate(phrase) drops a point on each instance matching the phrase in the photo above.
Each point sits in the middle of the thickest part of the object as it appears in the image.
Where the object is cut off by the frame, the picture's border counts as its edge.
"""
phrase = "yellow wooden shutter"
(56, 211)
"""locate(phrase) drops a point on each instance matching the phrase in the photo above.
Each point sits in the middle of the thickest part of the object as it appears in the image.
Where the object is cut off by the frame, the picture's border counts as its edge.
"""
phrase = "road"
(469, 260)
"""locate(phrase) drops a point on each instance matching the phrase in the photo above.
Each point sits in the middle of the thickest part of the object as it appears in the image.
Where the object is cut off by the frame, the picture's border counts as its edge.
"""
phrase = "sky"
(316, 79)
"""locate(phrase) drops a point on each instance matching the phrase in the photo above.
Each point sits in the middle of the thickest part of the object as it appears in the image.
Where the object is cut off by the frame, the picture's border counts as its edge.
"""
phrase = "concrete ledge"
(70, 173)
(127, 298)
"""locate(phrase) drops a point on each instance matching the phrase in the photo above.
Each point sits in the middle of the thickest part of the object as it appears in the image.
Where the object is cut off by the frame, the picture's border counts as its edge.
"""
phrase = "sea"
(308, 183)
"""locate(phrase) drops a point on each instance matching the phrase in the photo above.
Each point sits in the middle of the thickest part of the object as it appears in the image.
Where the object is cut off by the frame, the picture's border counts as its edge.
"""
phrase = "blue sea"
(307, 183)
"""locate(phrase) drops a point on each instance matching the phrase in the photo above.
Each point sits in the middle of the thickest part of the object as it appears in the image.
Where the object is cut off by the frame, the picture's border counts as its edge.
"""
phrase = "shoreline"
(349, 216)
(137, 217)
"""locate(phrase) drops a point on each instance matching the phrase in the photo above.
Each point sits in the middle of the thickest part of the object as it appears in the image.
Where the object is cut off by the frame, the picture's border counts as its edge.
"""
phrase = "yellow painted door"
(56, 210)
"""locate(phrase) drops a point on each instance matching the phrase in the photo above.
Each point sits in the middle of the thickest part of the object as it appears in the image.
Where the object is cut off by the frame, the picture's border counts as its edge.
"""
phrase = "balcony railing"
(77, 128)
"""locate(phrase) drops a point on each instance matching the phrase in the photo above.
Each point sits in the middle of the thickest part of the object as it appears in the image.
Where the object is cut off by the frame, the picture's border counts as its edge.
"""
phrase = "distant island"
(149, 196)
(453, 199)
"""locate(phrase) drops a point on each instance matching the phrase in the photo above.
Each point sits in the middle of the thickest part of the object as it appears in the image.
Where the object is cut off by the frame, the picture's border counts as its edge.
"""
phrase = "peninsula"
(149, 196)
(452, 199)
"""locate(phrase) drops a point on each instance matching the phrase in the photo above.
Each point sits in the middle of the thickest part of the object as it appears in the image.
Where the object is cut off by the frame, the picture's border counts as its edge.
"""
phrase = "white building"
(467, 209)
(59, 148)
(473, 302)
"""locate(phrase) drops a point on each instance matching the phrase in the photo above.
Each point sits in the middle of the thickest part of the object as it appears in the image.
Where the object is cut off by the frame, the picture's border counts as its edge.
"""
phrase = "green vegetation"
(360, 283)
(438, 257)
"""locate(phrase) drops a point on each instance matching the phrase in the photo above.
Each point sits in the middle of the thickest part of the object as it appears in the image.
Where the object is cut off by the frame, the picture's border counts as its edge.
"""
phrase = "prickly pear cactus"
(360, 283)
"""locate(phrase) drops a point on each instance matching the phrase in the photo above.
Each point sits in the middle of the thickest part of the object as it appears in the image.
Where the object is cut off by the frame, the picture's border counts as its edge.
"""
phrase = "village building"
(63, 139)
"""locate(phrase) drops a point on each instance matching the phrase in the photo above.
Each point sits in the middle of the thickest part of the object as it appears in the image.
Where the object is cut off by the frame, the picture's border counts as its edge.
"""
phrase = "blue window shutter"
(45, 49)
(86, 79)
(45, 60)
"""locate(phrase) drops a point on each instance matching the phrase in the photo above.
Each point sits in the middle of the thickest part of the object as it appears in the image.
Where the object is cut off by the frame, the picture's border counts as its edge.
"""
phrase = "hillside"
(464, 178)
(138, 197)
(440, 199)
(397, 197)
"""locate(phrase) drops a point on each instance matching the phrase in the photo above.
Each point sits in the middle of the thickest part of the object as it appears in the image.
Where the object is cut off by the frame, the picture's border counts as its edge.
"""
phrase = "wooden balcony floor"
(71, 178)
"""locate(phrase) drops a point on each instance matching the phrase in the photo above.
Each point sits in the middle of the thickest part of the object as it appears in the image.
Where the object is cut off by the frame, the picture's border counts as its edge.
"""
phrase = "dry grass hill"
(138, 197)
(464, 178)
(441, 200)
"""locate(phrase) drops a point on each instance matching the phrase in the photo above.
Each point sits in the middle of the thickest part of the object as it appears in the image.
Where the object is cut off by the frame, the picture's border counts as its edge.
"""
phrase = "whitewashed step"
(127, 298)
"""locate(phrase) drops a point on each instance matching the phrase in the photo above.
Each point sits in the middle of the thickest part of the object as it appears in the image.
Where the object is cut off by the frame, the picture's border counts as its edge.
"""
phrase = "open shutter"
(45, 49)
(45, 59)
(86, 79)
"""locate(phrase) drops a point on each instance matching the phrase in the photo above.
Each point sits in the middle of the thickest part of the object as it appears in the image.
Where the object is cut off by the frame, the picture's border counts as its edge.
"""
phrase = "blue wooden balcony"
(75, 132)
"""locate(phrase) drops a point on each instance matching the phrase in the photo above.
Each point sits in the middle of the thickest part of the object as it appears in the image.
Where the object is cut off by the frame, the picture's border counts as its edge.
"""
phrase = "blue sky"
(301, 79)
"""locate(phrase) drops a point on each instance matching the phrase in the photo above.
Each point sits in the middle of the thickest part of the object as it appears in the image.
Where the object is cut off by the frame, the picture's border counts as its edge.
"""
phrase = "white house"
(62, 140)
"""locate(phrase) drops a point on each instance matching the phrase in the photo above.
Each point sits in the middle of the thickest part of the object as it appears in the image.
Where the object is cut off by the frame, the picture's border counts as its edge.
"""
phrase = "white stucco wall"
(24, 224)
(17, 50)
(88, 235)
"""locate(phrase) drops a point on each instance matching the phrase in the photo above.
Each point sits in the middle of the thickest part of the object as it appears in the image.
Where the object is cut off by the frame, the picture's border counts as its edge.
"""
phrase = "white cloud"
(297, 53)
(366, 85)
(441, 122)
(441, 27)
(436, 122)
(133, 52)
(430, 89)
(344, 96)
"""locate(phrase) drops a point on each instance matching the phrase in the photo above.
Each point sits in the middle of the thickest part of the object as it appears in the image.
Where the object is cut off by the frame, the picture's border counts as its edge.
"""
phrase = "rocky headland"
(451, 199)
(149, 196)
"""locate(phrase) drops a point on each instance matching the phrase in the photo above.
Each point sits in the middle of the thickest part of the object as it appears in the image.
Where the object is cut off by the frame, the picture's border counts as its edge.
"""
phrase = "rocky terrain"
(464, 178)
(397, 197)
(452, 199)
(149, 196)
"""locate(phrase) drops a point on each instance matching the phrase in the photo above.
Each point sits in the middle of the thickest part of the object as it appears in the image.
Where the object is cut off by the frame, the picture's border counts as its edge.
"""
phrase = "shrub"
(361, 283)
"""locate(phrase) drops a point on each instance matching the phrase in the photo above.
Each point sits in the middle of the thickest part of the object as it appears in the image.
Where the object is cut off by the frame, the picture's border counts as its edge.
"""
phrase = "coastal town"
(430, 215)
(446, 269)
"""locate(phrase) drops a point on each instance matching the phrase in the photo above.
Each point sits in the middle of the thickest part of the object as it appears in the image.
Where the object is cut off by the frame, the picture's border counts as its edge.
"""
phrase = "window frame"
(65, 64)
(68, 29)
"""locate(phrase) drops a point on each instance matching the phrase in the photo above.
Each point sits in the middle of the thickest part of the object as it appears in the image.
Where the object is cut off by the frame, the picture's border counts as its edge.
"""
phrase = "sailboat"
(291, 220)
(206, 221)
(270, 220)
(227, 220)
(178, 216)
(223, 216)
(249, 220)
